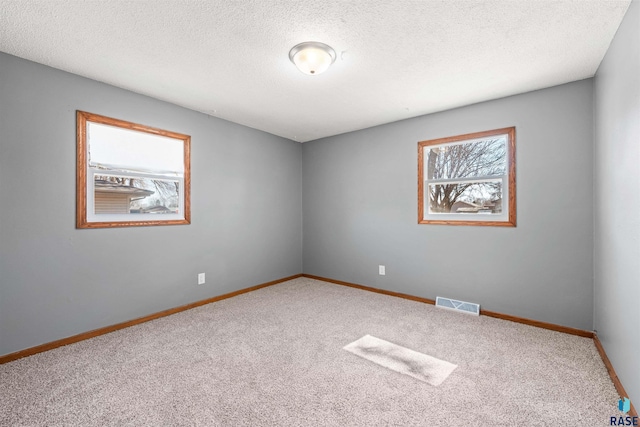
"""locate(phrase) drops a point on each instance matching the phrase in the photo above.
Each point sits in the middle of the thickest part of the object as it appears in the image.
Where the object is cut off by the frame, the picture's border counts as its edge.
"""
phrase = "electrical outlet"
(381, 270)
(201, 279)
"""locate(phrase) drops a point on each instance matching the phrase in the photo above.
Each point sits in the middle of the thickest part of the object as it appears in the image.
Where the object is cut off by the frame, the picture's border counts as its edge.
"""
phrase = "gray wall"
(617, 202)
(56, 281)
(360, 210)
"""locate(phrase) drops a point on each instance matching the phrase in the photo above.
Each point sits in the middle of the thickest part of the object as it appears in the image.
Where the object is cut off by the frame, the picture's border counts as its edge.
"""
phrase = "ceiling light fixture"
(312, 57)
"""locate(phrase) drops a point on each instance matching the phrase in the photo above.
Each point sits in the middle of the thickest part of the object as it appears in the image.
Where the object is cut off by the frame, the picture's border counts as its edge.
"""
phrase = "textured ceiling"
(396, 58)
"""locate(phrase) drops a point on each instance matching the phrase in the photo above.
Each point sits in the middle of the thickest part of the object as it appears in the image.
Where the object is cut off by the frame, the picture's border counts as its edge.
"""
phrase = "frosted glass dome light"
(312, 57)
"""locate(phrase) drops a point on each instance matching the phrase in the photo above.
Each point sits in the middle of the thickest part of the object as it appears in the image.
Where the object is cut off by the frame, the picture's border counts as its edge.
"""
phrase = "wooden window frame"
(511, 178)
(82, 166)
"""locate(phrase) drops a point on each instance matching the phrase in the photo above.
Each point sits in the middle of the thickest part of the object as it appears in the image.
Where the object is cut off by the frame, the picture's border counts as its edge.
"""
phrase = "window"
(468, 179)
(130, 175)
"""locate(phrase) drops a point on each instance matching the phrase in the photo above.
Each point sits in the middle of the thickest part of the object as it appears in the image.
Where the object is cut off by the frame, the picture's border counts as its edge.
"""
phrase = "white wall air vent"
(461, 306)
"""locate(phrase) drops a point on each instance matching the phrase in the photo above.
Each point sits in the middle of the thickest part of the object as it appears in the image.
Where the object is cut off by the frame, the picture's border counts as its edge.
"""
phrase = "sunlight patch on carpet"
(403, 360)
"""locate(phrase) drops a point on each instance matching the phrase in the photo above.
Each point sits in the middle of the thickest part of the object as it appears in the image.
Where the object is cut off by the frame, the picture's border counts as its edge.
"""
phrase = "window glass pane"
(116, 148)
(119, 194)
(466, 198)
(486, 157)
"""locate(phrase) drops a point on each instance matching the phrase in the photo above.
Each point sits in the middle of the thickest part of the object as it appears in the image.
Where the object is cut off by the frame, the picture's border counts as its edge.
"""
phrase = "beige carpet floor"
(274, 357)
